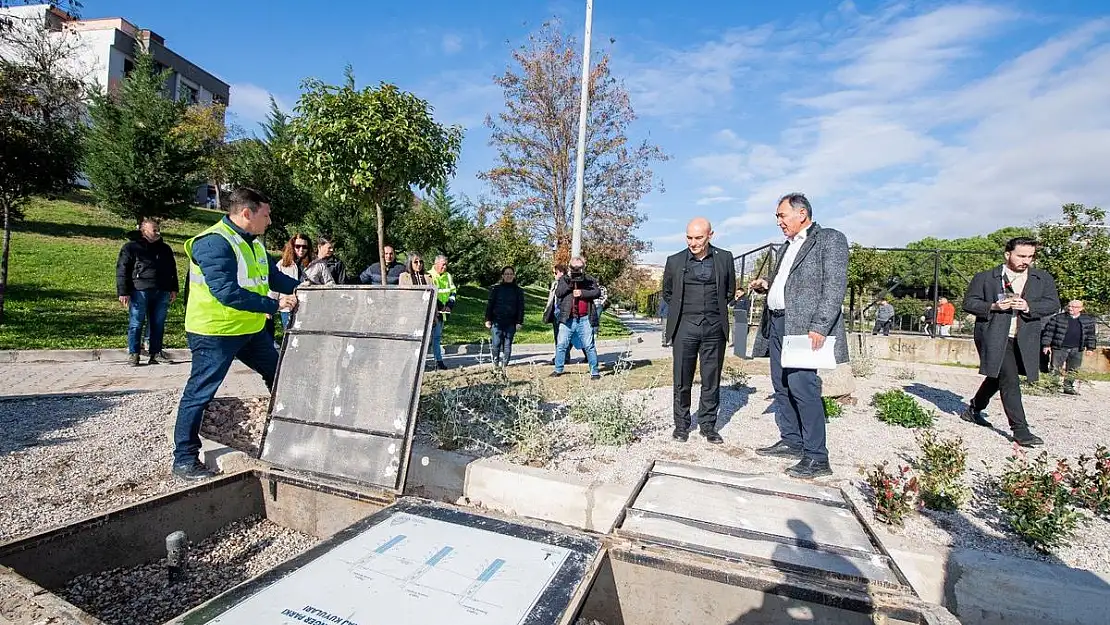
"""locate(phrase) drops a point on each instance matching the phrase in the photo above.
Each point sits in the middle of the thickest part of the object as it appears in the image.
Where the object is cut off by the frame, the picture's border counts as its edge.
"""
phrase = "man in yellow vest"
(230, 276)
(446, 292)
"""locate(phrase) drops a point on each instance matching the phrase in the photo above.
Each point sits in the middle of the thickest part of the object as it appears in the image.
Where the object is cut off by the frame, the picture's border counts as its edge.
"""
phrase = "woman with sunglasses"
(295, 258)
(415, 275)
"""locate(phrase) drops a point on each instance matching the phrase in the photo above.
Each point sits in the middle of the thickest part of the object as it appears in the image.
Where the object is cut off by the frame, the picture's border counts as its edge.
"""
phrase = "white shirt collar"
(802, 234)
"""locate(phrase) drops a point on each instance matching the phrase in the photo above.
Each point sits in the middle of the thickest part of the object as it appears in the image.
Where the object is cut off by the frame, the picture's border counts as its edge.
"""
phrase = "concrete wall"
(948, 351)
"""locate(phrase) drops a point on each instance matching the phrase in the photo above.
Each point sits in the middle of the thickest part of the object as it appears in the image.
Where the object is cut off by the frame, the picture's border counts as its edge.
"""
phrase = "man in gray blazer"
(805, 295)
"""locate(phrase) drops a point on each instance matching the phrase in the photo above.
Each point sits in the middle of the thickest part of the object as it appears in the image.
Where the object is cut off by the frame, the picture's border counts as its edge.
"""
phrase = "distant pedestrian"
(504, 315)
(415, 275)
(946, 316)
(1065, 337)
(1010, 303)
(884, 318)
(551, 310)
(446, 293)
(146, 283)
(327, 268)
(393, 271)
(295, 258)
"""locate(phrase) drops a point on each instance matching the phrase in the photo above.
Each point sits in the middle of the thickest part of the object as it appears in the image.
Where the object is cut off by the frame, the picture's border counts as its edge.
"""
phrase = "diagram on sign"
(412, 569)
(477, 574)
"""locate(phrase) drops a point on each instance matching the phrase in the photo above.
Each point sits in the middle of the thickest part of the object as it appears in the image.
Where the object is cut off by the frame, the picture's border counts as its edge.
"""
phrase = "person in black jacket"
(1066, 336)
(146, 283)
(504, 315)
(575, 293)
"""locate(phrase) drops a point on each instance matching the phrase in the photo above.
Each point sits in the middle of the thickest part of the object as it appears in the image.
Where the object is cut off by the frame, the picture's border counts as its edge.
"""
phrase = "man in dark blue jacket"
(230, 276)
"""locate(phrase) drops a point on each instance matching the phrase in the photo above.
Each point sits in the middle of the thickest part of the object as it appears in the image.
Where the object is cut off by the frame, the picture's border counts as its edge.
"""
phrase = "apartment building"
(107, 52)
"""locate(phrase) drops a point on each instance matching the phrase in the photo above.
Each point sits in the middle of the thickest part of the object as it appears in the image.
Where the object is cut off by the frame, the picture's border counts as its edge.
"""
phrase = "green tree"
(536, 137)
(1076, 251)
(40, 129)
(366, 149)
(868, 269)
(259, 163)
(140, 159)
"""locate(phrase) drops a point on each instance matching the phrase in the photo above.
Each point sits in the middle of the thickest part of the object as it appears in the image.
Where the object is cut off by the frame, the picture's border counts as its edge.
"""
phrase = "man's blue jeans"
(501, 341)
(576, 328)
(147, 305)
(437, 339)
(212, 357)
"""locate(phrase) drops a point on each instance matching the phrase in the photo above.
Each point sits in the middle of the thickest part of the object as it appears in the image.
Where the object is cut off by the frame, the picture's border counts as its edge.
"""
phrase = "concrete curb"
(11, 356)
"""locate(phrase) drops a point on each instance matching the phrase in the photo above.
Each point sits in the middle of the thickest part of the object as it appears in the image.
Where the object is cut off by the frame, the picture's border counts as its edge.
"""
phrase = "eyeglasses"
(300, 247)
(418, 262)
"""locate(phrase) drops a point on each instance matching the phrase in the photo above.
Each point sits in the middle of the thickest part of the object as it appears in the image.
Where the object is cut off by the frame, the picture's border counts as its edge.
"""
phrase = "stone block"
(837, 382)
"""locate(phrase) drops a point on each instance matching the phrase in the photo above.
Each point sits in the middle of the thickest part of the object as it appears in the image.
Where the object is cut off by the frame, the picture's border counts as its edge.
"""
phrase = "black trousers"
(1008, 384)
(698, 345)
(1066, 361)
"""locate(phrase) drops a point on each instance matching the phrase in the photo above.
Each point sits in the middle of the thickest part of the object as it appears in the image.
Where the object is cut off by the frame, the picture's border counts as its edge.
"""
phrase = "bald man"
(698, 284)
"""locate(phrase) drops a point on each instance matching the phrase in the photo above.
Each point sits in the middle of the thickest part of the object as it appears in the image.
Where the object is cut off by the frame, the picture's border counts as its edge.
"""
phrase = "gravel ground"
(224, 422)
(857, 440)
(63, 459)
(140, 595)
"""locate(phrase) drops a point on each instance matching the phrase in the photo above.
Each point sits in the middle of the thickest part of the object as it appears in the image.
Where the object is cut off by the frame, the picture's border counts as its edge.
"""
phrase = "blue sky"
(899, 119)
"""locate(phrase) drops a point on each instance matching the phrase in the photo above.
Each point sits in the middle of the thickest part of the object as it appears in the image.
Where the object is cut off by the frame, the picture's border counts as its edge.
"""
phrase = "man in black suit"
(698, 285)
(1010, 303)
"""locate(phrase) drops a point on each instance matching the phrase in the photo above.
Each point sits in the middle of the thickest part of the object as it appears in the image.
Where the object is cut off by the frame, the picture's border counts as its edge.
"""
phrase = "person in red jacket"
(946, 314)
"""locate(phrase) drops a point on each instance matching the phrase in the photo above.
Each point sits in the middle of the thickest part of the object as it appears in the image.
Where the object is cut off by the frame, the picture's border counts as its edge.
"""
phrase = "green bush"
(894, 494)
(942, 466)
(1038, 501)
(1091, 485)
(833, 409)
(896, 407)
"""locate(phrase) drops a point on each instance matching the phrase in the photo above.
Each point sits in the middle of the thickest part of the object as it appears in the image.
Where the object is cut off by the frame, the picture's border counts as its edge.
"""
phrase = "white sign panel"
(410, 569)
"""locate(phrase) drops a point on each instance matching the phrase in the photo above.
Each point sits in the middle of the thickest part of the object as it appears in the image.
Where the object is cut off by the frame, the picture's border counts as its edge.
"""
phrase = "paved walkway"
(88, 377)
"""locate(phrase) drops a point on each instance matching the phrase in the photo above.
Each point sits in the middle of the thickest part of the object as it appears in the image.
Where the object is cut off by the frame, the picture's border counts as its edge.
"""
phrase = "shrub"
(1091, 486)
(736, 377)
(894, 494)
(1037, 500)
(862, 361)
(905, 373)
(615, 414)
(896, 407)
(833, 409)
(942, 466)
(1047, 384)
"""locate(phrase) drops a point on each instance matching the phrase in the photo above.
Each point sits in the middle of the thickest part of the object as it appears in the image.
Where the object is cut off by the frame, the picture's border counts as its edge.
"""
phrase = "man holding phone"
(1010, 304)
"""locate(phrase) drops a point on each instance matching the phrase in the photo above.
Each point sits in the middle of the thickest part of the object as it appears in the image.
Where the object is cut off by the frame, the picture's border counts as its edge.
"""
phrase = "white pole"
(576, 236)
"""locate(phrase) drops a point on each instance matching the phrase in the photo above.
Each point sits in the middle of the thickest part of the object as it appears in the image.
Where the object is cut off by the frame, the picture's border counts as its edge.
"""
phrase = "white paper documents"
(798, 353)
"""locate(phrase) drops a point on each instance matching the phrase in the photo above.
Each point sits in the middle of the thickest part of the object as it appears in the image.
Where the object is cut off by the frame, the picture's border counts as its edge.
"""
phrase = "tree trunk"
(4, 258)
(219, 202)
(381, 240)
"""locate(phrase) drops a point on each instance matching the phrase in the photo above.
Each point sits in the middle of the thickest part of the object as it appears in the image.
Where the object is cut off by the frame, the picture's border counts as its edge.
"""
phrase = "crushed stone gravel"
(66, 458)
(142, 595)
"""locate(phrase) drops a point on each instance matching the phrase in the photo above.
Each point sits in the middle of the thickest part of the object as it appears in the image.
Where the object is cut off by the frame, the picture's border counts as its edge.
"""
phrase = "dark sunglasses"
(300, 247)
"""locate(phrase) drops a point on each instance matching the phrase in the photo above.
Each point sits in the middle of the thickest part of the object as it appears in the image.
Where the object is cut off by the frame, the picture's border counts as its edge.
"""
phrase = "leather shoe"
(972, 415)
(681, 434)
(713, 437)
(780, 450)
(193, 472)
(1028, 439)
(809, 468)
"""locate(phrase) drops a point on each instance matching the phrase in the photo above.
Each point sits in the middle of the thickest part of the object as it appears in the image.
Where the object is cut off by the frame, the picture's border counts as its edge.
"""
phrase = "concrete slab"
(751, 481)
(544, 495)
(779, 517)
(782, 556)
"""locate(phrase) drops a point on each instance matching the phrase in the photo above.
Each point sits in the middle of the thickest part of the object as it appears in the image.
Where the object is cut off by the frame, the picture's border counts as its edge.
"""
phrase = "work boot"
(1027, 439)
(712, 437)
(133, 359)
(681, 434)
(161, 357)
(780, 449)
(971, 415)
(440, 366)
(193, 471)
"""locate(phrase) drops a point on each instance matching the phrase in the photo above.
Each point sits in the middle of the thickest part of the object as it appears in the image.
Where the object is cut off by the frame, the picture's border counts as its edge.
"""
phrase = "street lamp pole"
(580, 166)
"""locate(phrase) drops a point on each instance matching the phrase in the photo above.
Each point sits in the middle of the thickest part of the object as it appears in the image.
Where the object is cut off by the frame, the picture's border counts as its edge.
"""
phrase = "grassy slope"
(62, 278)
(62, 293)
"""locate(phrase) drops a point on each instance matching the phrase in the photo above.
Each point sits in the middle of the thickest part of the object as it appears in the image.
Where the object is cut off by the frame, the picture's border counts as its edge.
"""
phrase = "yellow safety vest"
(445, 285)
(204, 314)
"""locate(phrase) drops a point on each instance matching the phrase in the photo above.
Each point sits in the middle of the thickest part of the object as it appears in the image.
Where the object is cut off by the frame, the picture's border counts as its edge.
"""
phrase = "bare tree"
(536, 138)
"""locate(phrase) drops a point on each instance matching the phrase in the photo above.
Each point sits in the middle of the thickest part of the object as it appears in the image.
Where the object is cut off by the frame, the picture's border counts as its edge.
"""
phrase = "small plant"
(895, 495)
(1038, 500)
(737, 379)
(1047, 384)
(863, 362)
(896, 407)
(942, 466)
(905, 373)
(833, 409)
(1091, 485)
(614, 416)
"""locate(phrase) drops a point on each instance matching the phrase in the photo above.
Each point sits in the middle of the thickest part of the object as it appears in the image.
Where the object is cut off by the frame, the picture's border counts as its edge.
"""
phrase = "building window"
(128, 67)
(189, 94)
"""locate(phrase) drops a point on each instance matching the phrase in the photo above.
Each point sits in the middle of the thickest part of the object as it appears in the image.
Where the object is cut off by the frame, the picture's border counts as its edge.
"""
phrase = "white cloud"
(451, 43)
(711, 190)
(716, 199)
(915, 125)
(251, 103)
